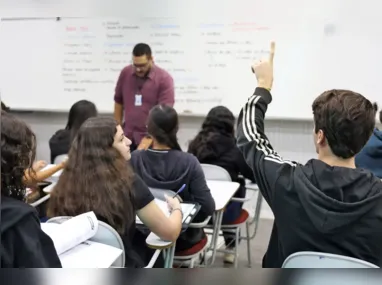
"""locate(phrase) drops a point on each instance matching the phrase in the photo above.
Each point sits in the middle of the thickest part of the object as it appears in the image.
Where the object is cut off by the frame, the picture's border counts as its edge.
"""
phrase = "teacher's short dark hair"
(142, 49)
(4, 107)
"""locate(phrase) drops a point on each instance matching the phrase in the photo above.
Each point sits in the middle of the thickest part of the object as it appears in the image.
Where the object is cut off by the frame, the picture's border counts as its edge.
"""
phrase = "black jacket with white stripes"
(317, 207)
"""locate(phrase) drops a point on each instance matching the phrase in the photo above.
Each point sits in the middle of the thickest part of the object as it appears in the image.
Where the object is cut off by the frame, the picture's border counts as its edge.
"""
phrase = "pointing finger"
(272, 53)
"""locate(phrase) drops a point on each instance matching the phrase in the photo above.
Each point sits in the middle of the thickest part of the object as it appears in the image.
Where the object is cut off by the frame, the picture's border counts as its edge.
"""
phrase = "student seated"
(60, 142)
(216, 144)
(97, 178)
(165, 166)
(38, 175)
(326, 205)
(370, 157)
(23, 243)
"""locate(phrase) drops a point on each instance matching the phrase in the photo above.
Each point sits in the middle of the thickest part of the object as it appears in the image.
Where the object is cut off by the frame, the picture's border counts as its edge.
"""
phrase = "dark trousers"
(231, 213)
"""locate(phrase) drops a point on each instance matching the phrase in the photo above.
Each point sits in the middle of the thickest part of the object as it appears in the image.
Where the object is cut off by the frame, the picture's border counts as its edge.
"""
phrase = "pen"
(180, 190)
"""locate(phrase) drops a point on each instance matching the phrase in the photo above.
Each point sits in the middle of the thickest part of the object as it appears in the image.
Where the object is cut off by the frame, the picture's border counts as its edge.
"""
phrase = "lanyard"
(140, 82)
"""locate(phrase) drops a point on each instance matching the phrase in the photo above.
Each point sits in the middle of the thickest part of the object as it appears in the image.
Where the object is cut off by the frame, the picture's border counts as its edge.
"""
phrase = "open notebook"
(75, 250)
(187, 209)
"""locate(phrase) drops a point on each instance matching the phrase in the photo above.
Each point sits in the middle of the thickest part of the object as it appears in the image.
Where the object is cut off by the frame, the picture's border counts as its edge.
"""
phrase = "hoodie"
(221, 150)
(23, 243)
(317, 207)
(169, 170)
(59, 144)
(370, 156)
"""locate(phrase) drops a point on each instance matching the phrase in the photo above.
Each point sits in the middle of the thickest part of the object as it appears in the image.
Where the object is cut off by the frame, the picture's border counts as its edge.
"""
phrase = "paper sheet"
(186, 209)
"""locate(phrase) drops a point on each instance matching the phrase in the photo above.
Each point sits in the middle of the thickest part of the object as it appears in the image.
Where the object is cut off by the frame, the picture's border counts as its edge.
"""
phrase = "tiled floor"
(258, 247)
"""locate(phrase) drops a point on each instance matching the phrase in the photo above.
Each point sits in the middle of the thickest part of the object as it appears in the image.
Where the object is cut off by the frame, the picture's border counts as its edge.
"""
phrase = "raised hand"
(263, 70)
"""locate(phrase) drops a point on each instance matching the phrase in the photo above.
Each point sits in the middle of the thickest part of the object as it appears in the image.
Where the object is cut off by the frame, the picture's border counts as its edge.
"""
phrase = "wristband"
(180, 210)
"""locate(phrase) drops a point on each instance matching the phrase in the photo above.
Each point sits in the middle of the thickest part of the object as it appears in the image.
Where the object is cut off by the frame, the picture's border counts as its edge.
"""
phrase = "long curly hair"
(96, 178)
(218, 129)
(18, 151)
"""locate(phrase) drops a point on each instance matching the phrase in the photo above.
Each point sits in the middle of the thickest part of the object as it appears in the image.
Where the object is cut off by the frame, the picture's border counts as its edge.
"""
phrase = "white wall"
(292, 139)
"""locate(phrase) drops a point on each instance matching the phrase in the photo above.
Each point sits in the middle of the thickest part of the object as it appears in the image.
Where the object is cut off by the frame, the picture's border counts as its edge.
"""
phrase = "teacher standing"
(141, 86)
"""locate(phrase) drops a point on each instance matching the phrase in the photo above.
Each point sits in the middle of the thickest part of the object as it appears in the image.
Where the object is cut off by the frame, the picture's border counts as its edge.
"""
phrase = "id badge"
(138, 100)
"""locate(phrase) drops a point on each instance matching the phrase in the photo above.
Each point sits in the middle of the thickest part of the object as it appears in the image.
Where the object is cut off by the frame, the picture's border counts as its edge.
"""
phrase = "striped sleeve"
(258, 152)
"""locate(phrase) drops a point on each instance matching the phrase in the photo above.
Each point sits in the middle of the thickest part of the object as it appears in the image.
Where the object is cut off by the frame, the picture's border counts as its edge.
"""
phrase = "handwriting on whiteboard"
(95, 51)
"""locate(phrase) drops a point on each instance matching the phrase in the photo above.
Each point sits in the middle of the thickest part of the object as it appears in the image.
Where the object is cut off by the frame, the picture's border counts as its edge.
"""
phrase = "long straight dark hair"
(163, 126)
(78, 114)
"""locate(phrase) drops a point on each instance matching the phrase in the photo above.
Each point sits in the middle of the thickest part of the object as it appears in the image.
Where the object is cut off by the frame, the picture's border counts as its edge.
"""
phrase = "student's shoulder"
(142, 193)
(14, 207)
(191, 160)
(185, 156)
(136, 154)
(59, 135)
(15, 212)
(138, 181)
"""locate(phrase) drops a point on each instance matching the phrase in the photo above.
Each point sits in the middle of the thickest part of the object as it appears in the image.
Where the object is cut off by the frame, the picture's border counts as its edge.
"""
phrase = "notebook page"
(72, 232)
(90, 254)
(186, 209)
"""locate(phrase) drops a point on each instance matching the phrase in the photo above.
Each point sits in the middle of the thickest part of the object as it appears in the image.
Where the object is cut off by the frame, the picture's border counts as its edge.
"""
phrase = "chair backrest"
(214, 172)
(105, 234)
(307, 259)
(60, 158)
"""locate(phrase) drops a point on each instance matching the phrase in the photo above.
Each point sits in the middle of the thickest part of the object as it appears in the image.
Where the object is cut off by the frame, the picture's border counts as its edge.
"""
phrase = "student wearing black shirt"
(216, 144)
(97, 178)
(165, 166)
(60, 142)
(23, 243)
(326, 205)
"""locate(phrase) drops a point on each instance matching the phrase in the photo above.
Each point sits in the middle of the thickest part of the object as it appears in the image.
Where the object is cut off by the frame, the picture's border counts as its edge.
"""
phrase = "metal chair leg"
(237, 239)
(248, 246)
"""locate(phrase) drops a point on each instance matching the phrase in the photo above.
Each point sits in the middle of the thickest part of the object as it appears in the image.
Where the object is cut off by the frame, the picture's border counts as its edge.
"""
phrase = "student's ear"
(320, 138)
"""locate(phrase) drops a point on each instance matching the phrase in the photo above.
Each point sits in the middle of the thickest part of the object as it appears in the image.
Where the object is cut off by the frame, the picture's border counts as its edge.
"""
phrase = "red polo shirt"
(156, 88)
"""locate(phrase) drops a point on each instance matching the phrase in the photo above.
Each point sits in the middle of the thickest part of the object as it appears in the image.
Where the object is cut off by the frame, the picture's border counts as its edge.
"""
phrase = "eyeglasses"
(142, 65)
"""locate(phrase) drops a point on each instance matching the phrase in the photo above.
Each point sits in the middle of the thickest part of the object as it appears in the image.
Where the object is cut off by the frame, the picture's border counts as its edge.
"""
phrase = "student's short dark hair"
(347, 119)
(142, 49)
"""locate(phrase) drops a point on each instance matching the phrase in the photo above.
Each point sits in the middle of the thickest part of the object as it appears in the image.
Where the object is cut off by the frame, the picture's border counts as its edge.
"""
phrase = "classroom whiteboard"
(48, 64)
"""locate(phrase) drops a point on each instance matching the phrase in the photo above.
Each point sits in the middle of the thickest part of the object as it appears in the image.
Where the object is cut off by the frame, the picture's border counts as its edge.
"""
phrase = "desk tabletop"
(153, 241)
(222, 192)
(251, 186)
(49, 188)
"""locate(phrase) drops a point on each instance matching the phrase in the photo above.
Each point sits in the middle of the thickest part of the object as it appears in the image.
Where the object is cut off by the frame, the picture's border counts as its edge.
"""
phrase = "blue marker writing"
(180, 190)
